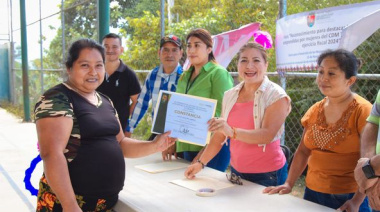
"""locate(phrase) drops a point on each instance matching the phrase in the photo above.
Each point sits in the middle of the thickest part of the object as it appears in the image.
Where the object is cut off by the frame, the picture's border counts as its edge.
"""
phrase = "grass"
(16, 110)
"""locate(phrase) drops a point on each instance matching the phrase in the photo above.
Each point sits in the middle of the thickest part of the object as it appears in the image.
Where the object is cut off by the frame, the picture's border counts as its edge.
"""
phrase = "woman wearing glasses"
(253, 114)
(330, 144)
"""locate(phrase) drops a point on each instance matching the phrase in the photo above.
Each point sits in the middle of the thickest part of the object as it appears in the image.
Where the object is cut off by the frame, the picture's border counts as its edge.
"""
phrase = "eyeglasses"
(233, 178)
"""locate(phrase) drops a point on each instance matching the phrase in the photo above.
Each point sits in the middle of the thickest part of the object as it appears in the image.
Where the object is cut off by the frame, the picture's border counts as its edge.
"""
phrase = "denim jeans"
(333, 200)
(266, 179)
(220, 162)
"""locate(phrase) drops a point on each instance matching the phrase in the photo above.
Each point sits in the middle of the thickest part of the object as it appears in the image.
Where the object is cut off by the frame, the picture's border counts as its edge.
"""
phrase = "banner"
(227, 44)
(356, 33)
(300, 38)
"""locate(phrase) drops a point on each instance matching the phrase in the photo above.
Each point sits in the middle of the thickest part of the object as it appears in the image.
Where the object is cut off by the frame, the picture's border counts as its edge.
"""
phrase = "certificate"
(185, 116)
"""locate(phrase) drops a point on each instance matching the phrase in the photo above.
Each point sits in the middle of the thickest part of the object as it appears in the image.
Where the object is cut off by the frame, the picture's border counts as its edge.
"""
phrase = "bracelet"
(203, 165)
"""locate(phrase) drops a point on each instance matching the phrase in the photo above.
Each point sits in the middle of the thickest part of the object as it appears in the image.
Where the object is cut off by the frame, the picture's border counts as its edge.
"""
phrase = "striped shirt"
(155, 81)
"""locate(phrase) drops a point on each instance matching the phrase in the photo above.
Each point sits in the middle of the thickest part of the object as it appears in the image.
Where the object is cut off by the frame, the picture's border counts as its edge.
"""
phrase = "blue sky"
(48, 7)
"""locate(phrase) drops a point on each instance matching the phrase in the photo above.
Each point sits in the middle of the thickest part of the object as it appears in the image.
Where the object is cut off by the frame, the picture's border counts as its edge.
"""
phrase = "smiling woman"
(86, 73)
(253, 114)
(330, 144)
(80, 138)
(207, 79)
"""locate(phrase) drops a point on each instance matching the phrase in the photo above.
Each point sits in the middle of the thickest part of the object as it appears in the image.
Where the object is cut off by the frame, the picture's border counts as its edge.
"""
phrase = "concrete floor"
(18, 147)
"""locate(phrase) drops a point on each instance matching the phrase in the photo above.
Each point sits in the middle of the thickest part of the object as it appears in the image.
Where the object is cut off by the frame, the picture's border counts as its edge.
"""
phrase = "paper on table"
(163, 166)
(202, 182)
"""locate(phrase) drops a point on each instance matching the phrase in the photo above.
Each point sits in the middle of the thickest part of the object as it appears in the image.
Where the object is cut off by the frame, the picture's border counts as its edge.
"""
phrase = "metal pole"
(282, 9)
(24, 53)
(281, 14)
(162, 18)
(63, 37)
(11, 55)
(41, 54)
(103, 18)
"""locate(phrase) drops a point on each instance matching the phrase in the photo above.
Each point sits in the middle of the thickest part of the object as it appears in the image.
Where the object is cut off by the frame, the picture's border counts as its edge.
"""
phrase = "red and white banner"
(300, 38)
(227, 44)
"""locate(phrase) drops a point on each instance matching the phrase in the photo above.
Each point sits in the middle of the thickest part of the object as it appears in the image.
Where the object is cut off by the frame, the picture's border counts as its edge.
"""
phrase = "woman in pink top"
(253, 116)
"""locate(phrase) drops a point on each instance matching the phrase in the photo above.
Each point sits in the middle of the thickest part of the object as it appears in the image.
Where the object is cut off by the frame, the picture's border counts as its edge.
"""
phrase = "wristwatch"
(368, 170)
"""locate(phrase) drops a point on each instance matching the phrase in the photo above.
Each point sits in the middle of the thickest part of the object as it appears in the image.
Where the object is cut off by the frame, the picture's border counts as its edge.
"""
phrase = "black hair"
(76, 48)
(112, 35)
(205, 37)
(346, 60)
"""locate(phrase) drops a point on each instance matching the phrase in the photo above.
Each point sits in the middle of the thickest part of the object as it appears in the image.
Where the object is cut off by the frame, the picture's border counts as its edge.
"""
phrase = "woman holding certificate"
(253, 118)
(205, 78)
(81, 140)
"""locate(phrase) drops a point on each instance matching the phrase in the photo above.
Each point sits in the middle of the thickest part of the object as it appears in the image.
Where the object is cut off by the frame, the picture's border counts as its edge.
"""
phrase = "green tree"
(139, 23)
(215, 16)
(143, 45)
(81, 21)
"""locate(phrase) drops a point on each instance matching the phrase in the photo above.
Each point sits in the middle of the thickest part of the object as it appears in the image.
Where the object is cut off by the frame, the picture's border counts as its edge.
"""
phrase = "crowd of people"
(85, 124)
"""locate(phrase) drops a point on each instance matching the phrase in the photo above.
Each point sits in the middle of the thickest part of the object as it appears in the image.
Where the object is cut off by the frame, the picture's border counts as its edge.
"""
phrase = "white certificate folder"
(186, 116)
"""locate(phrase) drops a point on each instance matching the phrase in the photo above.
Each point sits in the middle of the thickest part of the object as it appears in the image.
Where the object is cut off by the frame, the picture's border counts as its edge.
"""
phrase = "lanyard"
(189, 85)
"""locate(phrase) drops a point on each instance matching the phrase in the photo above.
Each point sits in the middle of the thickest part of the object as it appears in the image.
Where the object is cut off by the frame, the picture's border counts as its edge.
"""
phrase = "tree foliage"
(139, 23)
(80, 18)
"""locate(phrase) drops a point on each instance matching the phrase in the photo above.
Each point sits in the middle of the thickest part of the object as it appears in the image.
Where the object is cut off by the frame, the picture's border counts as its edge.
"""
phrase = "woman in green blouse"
(204, 78)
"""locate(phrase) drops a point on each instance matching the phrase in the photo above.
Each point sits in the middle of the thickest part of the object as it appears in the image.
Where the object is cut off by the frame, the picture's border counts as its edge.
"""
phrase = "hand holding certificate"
(185, 115)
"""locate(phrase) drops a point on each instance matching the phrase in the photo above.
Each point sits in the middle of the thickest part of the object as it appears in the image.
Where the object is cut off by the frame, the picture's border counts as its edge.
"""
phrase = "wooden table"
(144, 191)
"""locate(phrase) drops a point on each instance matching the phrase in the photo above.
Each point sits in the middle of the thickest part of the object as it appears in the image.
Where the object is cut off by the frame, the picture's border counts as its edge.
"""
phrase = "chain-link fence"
(300, 87)
(303, 91)
(44, 73)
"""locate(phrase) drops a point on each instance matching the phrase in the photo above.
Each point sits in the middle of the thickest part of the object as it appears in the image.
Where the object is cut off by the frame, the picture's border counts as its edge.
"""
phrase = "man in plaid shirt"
(163, 77)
